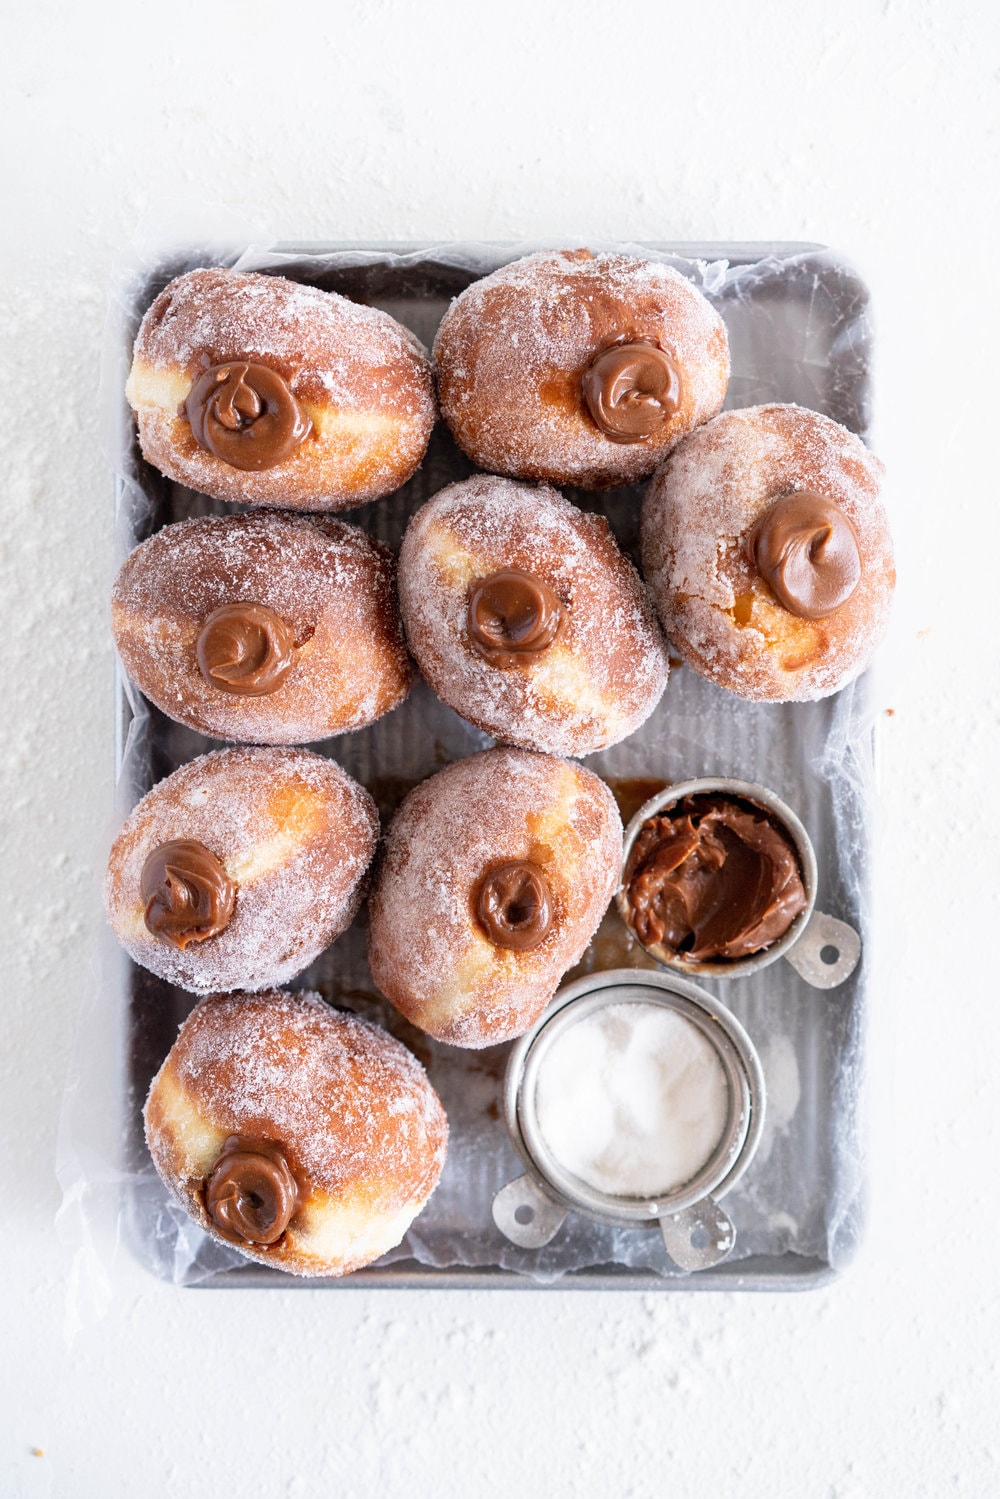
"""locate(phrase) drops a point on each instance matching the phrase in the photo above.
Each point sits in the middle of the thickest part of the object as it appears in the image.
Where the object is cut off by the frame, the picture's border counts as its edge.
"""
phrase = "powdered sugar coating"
(334, 585)
(427, 951)
(364, 1131)
(292, 830)
(363, 380)
(512, 349)
(716, 609)
(608, 666)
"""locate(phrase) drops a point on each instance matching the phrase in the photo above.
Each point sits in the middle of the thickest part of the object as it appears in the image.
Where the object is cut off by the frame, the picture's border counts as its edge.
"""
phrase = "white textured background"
(870, 125)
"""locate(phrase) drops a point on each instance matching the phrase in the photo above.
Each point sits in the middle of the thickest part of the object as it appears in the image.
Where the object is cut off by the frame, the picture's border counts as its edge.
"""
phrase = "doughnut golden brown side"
(506, 823)
(273, 847)
(698, 523)
(513, 351)
(275, 1117)
(329, 594)
(601, 674)
(360, 384)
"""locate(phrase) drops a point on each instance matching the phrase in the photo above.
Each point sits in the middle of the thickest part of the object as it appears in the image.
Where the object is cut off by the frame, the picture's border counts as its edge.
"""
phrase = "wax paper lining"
(799, 331)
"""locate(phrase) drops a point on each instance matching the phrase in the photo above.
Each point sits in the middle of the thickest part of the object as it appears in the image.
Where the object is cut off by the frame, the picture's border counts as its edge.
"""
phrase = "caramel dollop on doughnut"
(766, 548)
(807, 552)
(299, 1135)
(514, 905)
(246, 649)
(512, 616)
(631, 389)
(252, 1193)
(188, 895)
(246, 415)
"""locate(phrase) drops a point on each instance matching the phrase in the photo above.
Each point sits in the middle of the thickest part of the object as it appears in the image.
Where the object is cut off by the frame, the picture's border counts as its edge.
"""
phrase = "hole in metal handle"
(827, 952)
(526, 1215)
(698, 1237)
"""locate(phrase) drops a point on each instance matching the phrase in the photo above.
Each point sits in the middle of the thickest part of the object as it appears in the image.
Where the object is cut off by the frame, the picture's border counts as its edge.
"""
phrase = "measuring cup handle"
(699, 1236)
(526, 1215)
(825, 935)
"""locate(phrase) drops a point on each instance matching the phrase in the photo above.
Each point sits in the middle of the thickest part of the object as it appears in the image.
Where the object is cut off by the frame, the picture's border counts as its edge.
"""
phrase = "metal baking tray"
(798, 323)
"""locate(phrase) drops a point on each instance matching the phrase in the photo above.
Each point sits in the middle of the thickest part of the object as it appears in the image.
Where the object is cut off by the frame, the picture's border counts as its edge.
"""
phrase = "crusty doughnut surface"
(428, 947)
(275, 844)
(362, 383)
(605, 669)
(698, 521)
(333, 592)
(513, 349)
(361, 1133)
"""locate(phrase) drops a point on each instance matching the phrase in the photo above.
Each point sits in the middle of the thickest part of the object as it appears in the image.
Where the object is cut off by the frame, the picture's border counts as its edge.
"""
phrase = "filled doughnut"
(267, 628)
(526, 618)
(240, 868)
(496, 874)
(767, 551)
(255, 389)
(302, 1136)
(578, 368)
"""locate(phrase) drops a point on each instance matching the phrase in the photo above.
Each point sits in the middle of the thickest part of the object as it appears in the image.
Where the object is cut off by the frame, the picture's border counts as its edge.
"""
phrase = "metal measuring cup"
(822, 949)
(696, 1231)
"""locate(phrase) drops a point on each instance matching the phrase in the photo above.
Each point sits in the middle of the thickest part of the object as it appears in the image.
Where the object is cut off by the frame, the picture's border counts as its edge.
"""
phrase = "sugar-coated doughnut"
(497, 872)
(240, 868)
(767, 551)
(302, 1136)
(253, 388)
(578, 368)
(527, 619)
(267, 628)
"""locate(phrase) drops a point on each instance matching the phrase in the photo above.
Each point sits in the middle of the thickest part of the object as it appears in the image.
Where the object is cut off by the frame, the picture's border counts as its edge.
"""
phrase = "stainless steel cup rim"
(762, 797)
(732, 1045)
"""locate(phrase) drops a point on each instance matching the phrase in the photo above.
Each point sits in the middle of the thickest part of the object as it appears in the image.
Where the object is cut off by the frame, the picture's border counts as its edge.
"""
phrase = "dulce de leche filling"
(806, 550)
(514, 905)
(631, 389)
(251, 1193)
(188, 895)
(713, 877)
(245, 649)
(512, 617)
(245, 414)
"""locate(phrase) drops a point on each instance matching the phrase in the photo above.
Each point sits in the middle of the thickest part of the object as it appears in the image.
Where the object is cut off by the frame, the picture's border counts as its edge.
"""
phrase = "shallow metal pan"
(799, 329)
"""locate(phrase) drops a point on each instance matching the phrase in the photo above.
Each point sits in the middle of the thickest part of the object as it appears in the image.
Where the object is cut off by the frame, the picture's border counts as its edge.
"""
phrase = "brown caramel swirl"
(514, 905)
(631, 389)
(513, 617)
(251, 1193)
(246, 415)
(246, 649)
(713, 877)
(188, 895)
(806, 550)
